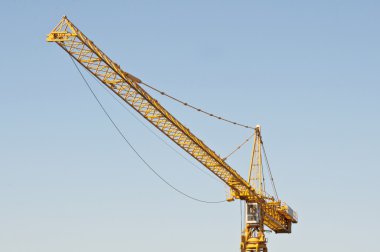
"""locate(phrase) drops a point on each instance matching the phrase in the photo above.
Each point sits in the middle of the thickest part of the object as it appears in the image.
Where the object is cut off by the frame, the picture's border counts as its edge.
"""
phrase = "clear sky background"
(307, 71)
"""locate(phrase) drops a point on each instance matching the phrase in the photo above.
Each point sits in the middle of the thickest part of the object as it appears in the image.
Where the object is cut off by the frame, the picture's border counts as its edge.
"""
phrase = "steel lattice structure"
(128, 88)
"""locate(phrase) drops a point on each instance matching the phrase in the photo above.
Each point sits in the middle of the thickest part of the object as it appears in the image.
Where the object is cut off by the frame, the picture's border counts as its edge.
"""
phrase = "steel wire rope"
(270, 172)
(133, 148)
(196, 108)
(204, 112)
(160, 138)
(238, 148)
(154, 133)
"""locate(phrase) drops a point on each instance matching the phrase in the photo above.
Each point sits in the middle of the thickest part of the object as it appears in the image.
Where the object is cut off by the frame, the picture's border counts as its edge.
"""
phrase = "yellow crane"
(261, 208)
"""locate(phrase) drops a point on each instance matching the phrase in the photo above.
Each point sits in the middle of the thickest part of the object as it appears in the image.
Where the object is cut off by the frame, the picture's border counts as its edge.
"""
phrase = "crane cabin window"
(252, 213)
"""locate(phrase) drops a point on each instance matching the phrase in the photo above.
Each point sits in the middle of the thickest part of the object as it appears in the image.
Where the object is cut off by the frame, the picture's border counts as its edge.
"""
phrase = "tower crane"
(262, 210)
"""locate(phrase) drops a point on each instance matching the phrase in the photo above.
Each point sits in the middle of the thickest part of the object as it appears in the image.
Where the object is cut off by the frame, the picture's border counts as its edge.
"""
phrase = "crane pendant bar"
(127, 87)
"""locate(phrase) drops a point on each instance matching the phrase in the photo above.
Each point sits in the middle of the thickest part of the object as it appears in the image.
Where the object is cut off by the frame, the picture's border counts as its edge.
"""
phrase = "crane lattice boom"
(128, 88)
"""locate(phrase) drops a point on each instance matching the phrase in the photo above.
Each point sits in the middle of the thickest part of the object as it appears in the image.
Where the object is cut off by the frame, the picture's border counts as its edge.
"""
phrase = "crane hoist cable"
(238, 148)
(155, 134)
(133, 148)
(186, 104)
(270, 172)
(207, 113)
(162, 140)
(196, 108)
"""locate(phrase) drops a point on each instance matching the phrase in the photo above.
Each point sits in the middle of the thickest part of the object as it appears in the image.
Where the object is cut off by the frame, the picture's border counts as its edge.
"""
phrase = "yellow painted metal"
(128, 88)
(255, 175)
(253, 241)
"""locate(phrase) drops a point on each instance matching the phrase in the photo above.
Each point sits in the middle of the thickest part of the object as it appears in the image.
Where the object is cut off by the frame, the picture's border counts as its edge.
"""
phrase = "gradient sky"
(307, 71)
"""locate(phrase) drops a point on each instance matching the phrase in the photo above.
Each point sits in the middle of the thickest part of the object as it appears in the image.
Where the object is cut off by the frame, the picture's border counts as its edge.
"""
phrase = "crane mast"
(264, 211)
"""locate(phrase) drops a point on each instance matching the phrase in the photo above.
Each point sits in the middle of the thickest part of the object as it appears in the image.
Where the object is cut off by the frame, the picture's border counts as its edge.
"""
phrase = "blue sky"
(307, 71)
